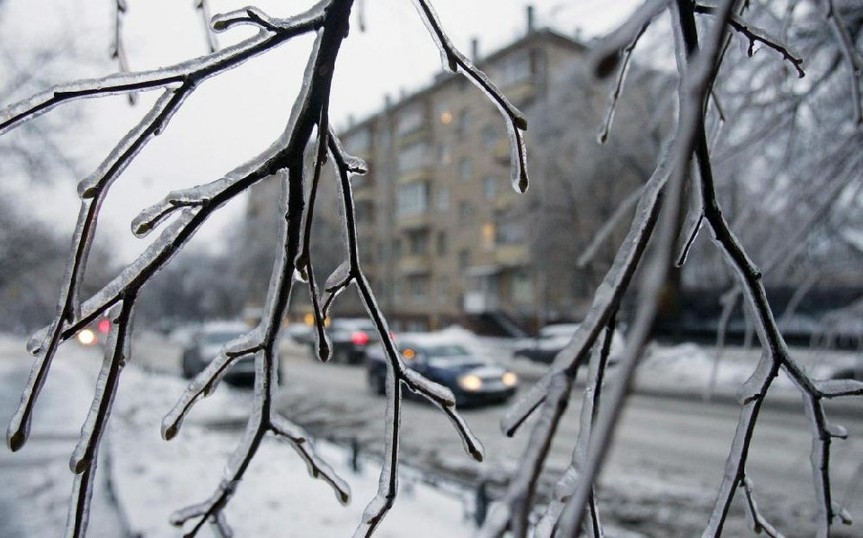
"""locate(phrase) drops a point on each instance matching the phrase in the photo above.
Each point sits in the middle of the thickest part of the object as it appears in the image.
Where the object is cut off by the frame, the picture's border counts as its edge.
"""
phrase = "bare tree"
(576, 204)
(685, 163)
(307, 127)
(701, 51)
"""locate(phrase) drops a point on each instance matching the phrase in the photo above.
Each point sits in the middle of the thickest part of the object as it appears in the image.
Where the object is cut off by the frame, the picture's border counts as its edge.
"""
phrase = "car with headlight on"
(95, 333)
(473, 381)
(206, 343)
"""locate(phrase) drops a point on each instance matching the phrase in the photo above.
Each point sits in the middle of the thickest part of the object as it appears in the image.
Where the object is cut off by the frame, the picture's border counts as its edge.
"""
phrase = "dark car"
(205, 345)
(472, 380)
(553, 338)
(350, 338)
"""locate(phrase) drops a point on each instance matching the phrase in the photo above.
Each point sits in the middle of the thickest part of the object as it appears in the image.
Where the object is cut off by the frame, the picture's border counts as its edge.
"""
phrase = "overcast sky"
(234, 116)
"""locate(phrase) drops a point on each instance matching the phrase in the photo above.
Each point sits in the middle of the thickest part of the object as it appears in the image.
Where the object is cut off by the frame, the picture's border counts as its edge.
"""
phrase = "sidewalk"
(37, 480)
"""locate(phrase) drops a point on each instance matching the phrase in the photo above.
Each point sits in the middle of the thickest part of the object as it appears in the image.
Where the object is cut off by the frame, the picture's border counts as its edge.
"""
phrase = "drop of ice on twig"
(300, 275)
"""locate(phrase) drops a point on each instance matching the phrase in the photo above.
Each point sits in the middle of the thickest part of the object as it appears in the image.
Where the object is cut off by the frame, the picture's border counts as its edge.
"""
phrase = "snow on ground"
(153, 478)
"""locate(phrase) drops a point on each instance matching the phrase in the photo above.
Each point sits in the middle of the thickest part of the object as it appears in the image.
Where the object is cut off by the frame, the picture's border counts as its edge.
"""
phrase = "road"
(667, 451)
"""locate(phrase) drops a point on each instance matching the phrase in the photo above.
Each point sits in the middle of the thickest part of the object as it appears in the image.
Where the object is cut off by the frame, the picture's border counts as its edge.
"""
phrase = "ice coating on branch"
(37, 342)
(150, 218)
(131, 144)
(432, 23)
(605, 55)
(455, 60)
(434, 391)
(206, 382)
(317, 467)
(338, 277)
(839, 387)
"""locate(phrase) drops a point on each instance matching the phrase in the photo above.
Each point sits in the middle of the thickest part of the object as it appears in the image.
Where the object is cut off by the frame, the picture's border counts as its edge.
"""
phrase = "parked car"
(351, 339)
(442, 360)
(851, 370)
(553, 338)
(205, 345)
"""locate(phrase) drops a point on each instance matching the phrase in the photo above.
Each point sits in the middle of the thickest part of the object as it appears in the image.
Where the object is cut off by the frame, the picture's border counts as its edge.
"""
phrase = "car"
(851, 369)
(439, 358)
(350, 339)
(95, 334)
(206, 343)
(553, 338)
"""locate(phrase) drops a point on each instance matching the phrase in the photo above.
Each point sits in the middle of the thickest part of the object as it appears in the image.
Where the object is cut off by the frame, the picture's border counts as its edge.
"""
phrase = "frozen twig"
(605, 56)
(608, 227)
(83, 461)
(851, 54)
(203, 8)
(602, 137)
(550, 395)
(759, 35)
(759, 522)
(776, 353)
(398, 373)
(455, 61)
(566, 484)
(118, 50)
(93, 191)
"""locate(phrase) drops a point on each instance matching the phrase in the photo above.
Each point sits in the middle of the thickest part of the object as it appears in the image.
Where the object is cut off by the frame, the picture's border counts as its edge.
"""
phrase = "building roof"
(443, 78)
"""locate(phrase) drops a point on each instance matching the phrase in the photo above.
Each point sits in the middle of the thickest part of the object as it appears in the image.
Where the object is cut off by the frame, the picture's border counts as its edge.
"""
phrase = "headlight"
(86, 337)
(509, 379)
(470, 382)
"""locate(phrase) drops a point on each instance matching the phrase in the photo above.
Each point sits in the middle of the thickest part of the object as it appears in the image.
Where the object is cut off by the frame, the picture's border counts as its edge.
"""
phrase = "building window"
(441, 243)
(418, 243)
(444, 153)
(463, 259)
(412, 199)
(489, 188)
(463, 125)
(365, 212)
(443, 291)
(490, 136)
(515, 69)
(443, 113)
(464, 169)
(385, 138)
(413, 157)
(509, 231)
(442, 198)
(410, 120)
(488, 236)
(418, 286)
(522, 288)
(465, 213)
(360, 141)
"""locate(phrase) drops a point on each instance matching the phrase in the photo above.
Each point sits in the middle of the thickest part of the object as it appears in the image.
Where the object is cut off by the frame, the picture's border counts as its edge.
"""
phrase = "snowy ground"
(151, 478)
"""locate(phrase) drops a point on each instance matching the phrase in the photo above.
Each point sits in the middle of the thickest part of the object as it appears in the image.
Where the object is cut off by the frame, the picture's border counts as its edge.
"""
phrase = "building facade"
(442, 232)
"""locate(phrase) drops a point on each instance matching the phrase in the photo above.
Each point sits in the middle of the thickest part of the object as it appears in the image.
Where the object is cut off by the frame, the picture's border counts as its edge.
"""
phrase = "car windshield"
(445, 350)
(219, 337)
(354, 325)
(558, 330)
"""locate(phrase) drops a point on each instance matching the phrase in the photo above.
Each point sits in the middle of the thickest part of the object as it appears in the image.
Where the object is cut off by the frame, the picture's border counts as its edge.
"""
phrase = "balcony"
(414, 264)
(511, 255)
(414, 222)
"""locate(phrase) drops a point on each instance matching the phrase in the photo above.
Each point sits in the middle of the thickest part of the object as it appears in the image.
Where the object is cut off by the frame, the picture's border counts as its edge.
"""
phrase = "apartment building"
(440, 224)
(442, 232)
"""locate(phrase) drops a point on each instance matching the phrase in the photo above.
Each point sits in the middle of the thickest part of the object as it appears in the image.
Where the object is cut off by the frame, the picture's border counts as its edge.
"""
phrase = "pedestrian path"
(37, 480)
